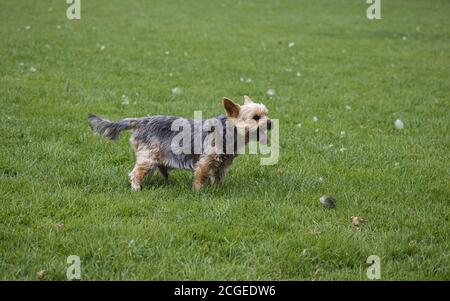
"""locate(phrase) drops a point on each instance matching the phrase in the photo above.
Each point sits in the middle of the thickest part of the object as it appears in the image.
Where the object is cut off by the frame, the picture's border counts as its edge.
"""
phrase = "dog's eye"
(256, 117)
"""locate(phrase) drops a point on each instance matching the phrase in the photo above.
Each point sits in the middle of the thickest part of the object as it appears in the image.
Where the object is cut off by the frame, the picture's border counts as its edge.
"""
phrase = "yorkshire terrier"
(208, 153)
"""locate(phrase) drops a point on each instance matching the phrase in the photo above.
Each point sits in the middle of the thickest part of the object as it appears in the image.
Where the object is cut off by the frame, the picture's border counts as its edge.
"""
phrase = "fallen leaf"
(59, 226)
(315, 232)
(357, 221)
(280, 171)
(40, 274)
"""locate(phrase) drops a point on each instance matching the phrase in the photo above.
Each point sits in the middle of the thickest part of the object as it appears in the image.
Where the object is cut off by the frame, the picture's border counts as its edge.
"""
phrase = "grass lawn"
(64, 190)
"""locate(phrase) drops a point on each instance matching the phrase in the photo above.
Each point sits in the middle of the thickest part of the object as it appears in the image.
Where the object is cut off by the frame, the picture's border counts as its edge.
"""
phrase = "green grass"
(53, 169)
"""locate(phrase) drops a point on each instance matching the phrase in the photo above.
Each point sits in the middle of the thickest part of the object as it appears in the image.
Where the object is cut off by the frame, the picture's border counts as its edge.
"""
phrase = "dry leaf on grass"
(357, 221)
(280, 172)
(59, 226)
(40, 274)
(315, 231)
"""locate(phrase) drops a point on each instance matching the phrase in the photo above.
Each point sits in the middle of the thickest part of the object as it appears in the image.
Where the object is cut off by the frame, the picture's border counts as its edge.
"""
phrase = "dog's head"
(251, 117)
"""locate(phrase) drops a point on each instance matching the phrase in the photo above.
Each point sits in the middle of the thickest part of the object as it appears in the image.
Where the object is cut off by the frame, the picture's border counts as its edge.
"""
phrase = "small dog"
(153, 141)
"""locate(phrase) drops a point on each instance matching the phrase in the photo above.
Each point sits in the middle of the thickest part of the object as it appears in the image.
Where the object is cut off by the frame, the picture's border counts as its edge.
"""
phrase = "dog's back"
(157, 134)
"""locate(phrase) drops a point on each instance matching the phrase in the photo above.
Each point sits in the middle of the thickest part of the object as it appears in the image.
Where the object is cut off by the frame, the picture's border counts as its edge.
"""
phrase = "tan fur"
(221, 170)
(244, 119)
(231, 108)
(245, 113)
(203, 170)
(148, 160)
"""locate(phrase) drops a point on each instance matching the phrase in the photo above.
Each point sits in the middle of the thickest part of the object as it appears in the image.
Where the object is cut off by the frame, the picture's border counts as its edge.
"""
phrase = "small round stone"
(328, 201)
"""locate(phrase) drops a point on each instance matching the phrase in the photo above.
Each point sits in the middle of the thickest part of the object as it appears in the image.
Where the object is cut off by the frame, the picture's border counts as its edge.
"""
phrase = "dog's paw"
(197, 187)
(135, 187)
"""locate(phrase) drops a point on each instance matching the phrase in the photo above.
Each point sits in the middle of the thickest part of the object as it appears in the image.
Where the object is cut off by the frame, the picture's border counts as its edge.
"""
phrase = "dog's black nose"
(269, 124)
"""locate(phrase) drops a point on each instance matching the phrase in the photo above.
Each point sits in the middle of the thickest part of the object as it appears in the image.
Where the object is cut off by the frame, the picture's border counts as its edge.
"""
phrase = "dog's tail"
(109, 129)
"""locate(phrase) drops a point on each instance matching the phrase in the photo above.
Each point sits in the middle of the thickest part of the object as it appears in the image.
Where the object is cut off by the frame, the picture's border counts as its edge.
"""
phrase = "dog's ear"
(231, 108)
(247, 100)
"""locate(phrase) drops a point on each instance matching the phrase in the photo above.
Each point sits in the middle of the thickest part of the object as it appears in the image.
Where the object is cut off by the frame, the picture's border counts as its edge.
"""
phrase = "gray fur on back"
(157, 130)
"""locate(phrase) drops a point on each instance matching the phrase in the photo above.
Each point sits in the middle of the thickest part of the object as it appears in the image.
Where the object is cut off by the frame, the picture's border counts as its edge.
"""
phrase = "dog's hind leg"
(164, 171)
(146, 163)
(141, 169)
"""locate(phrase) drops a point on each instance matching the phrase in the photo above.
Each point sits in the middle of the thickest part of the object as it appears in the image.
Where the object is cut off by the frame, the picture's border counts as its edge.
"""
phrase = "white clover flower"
(271, 92)
(399, 124)
(125, 100)
(176, 91)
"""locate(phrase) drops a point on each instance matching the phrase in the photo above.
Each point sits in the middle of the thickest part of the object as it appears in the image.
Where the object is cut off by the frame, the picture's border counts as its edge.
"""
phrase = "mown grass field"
(65, 191)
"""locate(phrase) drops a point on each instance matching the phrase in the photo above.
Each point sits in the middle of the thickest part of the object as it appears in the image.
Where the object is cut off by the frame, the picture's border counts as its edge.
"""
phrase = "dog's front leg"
(203, 170)
(201, 176)
(221, 170)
